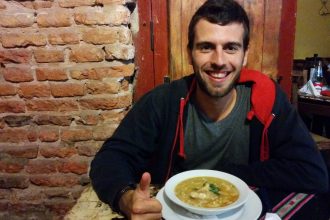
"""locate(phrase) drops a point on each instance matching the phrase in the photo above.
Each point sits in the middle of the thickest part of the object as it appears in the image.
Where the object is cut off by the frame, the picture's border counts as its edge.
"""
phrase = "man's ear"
(245, 59)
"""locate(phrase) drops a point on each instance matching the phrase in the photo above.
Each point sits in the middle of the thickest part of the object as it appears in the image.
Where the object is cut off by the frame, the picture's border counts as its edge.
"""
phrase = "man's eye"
(232, 49)
(205, 49)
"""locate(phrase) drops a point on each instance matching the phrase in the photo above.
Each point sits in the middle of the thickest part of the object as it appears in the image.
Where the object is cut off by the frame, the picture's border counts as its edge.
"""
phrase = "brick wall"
(65, 85)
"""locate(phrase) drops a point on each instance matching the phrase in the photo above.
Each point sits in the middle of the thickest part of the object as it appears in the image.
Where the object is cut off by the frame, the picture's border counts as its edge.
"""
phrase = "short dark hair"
(220, 12)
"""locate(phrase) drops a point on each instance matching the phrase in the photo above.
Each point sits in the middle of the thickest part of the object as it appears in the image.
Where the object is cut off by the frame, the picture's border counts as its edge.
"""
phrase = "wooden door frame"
(286, 44)
(153, 62)
(151, 43)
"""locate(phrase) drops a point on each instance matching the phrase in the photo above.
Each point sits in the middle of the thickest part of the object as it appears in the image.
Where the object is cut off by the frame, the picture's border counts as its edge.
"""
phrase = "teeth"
(218, 75)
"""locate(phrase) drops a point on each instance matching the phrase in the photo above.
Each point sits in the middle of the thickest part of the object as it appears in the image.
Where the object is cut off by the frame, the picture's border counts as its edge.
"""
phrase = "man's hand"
(137, 204)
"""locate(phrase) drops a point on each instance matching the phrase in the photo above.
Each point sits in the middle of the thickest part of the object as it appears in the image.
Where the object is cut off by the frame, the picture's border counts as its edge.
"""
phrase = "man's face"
(217, 56)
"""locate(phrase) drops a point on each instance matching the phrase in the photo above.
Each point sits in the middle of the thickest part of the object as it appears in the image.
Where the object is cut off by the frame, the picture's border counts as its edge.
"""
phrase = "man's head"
(218, 46)
(220, 12)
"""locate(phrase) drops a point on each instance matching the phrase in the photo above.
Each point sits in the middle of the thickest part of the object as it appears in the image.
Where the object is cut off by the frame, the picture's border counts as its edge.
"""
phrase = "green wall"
(312, 30)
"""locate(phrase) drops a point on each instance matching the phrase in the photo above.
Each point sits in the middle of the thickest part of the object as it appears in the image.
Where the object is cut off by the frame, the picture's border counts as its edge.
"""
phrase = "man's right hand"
(137, 204)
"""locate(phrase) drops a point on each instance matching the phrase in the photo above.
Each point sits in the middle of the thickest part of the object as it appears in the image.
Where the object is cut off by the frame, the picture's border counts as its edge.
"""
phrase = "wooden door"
(272, 37)
(265, 18)
(271, 45)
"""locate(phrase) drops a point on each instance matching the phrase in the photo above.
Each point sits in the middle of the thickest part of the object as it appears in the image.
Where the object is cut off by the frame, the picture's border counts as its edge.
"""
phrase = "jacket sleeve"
(295, 164)
(124, 157)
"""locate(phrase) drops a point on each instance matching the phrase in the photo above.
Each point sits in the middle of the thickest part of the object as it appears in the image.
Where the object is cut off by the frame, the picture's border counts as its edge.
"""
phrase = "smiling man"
(222, 117)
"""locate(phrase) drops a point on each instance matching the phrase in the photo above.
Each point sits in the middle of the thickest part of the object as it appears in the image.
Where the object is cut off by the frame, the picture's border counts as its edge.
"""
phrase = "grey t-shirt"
(210, 144)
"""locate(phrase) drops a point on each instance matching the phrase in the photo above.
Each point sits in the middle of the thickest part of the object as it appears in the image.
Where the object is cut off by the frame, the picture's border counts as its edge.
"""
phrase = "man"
(222, 117)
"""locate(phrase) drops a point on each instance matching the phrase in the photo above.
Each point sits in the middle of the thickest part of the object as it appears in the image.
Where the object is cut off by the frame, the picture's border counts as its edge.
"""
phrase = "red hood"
(263, 94)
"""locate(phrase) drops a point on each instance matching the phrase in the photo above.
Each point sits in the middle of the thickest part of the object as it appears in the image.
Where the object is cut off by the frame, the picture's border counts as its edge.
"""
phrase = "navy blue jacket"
(144, 142)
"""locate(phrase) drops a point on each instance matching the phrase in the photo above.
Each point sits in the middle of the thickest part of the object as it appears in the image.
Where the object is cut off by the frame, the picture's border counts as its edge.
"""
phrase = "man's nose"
(218, 57)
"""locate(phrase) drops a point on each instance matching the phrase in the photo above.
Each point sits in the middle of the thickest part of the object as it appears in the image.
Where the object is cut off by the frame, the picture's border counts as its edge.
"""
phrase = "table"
(316, 113)
(293, 206)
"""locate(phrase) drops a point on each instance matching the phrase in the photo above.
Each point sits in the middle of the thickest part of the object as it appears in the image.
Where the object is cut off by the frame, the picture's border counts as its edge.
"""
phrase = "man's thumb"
(145, 183)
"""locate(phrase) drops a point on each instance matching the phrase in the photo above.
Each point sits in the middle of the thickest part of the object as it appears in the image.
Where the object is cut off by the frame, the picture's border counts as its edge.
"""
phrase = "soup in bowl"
(206, 192)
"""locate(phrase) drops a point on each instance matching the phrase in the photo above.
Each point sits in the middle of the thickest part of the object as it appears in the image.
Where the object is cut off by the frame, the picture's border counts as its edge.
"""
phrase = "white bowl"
(176, 179)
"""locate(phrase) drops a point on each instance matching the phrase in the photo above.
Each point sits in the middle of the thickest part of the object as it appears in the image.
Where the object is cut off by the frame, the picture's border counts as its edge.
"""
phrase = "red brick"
(49, 55)
(113, 116)
(25, 150)
(88, 148)
(61, 120)
(61, 192)
(8, 181)
(41, 166)
(5, 194)
(107, 87)
(101, 35)
(87, 118)
(51, 74)
(30, 90)
(48, 134)
(22, 40)
(17, 120)
(106, 2)
(119, 51)
(67, 89)
(101, 133)
(103, 72)
(60, 206)
(75, 3)
(12, 106)
(54, 18)
(86, 53)
(17, 135)
(37, 4)
(110, 15)
(7, 89)
(22, 209)
(51, 105)
(9, 164)
(55, 180)
(76, 135)
(106, 103)
(33, 195)
(18, 19)
(10, 167)
(63, 38)
(77, 166)
(107, 35)
(17, 74)
(15, 56)
(56, 151)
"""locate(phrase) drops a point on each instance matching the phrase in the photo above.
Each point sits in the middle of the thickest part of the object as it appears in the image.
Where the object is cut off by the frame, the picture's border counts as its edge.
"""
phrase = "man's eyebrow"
(234, 43)
(204, 43)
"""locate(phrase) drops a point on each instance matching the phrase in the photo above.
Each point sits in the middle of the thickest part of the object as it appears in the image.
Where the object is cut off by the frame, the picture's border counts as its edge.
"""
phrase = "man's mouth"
(217, 74)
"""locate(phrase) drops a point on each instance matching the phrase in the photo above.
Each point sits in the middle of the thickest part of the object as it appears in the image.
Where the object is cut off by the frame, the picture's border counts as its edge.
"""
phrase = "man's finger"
(145, 183)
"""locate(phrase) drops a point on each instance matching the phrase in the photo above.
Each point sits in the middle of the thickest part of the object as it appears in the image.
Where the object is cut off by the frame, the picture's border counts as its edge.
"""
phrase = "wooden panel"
(175, 39)
(271, 37)
(255, 11)
(286, 43)
(161, 50)
(189, 9)
(180, 14)
(145, 77)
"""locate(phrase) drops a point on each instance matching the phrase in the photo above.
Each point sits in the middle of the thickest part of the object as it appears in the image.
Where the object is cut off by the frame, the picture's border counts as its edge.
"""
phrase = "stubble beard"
(213, 93)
